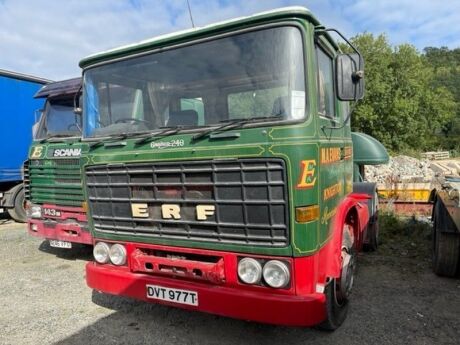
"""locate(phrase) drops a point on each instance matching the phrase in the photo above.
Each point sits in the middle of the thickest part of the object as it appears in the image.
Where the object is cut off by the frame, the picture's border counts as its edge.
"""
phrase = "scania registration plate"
(172, 295)
(60, 244)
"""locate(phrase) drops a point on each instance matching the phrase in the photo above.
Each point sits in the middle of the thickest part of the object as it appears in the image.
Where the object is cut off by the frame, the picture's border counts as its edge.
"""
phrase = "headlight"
(118, 254)
(101, 252)
(34, 211)
(249, 271)
(276, 274)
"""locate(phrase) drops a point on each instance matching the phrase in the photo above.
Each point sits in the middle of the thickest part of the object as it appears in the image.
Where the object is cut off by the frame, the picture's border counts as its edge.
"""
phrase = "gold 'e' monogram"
(37, 152)
(307, 179)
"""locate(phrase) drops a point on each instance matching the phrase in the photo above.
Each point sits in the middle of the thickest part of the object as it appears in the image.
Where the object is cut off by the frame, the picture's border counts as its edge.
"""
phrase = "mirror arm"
(77, 109)
(359, 74)
(321, 30)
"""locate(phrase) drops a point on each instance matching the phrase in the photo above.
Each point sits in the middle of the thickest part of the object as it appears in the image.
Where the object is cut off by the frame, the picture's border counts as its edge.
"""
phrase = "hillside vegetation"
(412, 98)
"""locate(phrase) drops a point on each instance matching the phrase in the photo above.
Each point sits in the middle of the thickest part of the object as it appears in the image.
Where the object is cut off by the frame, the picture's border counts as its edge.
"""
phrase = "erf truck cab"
(52, 175)
(220, 172)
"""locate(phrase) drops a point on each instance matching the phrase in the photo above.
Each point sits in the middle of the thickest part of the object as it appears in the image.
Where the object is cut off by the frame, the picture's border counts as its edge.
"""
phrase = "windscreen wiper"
(234, 123)
(120, 136)
(53, 136)
(164, 133)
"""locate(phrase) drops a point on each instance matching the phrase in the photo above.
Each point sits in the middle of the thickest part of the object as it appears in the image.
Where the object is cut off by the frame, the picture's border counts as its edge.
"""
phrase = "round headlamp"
(276, 274)
(101, 252)
(118, 254)
(249, 271)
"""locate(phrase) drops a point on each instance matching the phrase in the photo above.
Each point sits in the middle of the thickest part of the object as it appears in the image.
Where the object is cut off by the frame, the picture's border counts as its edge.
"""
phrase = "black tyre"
(446, 245)
(336, 308)
(18, 213)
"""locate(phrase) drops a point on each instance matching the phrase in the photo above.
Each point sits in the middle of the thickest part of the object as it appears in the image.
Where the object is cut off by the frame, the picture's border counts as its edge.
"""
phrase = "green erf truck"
(219, 176)
(52, 174)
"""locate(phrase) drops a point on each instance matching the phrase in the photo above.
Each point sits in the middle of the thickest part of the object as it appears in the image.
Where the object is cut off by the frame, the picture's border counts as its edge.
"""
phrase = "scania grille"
(55, 181)
(246, 200)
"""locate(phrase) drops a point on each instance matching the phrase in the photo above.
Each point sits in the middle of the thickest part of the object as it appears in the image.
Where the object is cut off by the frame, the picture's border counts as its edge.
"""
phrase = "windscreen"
(247, 75)
(59, 120)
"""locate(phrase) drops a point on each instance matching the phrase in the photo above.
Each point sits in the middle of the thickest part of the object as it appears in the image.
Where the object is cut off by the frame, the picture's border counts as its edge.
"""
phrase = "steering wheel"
(132, 120)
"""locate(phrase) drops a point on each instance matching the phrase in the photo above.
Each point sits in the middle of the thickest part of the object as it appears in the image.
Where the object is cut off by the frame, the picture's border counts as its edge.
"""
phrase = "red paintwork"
(67, 212)
(297, 305)
(208, 271)
(66, 227)
(219, 290)
(331, 253)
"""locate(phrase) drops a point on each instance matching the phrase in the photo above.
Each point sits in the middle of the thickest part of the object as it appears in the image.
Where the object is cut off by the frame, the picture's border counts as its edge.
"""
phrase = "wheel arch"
(353, 206)
(10, 196)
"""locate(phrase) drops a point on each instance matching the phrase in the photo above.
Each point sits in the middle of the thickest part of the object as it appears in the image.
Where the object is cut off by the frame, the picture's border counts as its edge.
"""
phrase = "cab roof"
(59, 88)
(189, 34)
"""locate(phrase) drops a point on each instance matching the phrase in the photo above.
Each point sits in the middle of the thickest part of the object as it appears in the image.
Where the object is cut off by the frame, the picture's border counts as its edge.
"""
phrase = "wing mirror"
(349, 77)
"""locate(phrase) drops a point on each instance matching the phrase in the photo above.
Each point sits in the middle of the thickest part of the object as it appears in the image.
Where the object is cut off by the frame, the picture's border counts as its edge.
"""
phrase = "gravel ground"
(44, 300)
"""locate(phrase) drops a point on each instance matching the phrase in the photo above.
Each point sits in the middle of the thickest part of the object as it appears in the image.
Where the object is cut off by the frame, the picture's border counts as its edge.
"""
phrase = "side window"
(325, 84)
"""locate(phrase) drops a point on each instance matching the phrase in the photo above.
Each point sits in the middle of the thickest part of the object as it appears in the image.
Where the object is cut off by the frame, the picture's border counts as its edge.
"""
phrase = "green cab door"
(333, 148)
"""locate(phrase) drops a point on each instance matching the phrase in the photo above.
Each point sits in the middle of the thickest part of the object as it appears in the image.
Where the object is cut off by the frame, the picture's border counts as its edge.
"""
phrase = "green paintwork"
(192, 34)
(367, 150)
(292, 142)
(58, 180)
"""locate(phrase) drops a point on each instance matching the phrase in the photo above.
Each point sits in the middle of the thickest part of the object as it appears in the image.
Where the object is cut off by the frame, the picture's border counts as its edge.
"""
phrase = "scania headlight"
(249, 271)
(276, 274)
(34, 211)
(101, 252)
(118, 254)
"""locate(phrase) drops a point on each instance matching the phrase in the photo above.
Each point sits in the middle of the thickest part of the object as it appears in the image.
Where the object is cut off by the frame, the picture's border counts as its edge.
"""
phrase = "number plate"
(60, 244)
(172, 295)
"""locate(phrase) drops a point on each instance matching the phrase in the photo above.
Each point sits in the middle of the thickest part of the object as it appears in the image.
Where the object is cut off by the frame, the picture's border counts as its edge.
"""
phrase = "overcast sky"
(47, 38)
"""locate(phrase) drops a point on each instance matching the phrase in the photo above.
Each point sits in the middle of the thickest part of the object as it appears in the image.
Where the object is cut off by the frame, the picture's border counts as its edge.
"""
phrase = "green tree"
(403, 107)
(446, 67)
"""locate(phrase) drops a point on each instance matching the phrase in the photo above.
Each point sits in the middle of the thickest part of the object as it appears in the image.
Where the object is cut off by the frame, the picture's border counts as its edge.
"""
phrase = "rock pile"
(401, 169)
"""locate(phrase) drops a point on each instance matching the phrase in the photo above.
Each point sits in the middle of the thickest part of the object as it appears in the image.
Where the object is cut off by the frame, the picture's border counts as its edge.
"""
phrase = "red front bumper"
(228, 299)
(67, 226)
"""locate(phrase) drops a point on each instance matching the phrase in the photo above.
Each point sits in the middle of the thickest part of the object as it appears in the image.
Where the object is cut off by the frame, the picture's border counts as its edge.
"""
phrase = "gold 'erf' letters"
(203, 211)
(169, 211)
(140, 210)
(172, 211)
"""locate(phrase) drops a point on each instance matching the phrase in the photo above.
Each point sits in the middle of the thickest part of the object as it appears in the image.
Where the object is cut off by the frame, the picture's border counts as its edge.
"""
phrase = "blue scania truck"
(18, 113)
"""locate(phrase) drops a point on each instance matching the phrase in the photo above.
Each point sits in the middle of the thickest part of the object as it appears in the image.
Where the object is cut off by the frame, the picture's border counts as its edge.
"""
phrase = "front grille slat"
(55, 181)
(249, 198)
